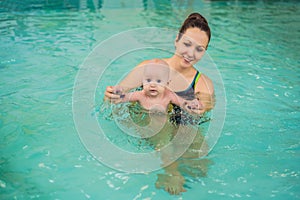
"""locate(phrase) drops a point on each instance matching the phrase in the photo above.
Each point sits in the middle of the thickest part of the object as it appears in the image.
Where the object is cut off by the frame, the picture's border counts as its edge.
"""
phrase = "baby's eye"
(158, 81)
(148, 80)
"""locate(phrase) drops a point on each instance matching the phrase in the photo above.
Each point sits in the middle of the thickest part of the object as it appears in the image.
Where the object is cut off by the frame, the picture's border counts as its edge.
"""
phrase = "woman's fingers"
(193, 105)
(110, 95)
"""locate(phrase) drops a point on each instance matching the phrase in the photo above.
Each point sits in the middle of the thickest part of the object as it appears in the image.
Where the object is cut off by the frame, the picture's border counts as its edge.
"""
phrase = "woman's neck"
(174, 63)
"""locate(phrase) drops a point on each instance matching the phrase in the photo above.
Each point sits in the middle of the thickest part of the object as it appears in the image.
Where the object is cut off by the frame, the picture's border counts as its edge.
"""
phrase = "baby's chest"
(157, 104)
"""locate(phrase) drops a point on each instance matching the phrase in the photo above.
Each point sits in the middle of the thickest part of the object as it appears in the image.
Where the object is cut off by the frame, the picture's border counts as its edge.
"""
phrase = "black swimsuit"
(189, 93)
(178, 116)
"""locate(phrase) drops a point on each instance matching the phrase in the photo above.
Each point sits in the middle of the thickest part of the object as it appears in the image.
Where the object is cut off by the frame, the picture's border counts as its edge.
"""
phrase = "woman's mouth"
(186, 60)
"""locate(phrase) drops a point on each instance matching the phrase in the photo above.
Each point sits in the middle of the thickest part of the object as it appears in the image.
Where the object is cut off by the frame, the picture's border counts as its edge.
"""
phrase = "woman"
(185, 80)
(190, 44)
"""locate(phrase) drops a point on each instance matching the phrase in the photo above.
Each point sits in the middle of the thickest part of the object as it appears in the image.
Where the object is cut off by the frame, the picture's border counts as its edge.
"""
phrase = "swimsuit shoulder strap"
(196, 78)
(190, 90)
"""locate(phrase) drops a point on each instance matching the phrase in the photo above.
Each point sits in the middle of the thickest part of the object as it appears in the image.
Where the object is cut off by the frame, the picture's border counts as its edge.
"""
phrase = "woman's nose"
(190, 52)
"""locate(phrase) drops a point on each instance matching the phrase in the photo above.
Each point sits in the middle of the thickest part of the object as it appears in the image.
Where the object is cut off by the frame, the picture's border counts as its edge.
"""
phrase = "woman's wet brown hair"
(195, 20)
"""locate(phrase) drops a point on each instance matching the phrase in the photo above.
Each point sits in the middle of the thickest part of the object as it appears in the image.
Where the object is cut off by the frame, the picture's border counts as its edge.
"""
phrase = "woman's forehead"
(197, 36)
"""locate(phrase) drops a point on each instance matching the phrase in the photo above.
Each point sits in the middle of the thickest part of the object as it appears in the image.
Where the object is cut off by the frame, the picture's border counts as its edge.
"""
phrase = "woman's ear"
(176, 41)
(177, 37)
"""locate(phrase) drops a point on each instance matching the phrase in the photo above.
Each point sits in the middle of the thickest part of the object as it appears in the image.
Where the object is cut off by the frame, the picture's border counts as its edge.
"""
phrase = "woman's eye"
(148, 80)
(187, 44)
(200, 49)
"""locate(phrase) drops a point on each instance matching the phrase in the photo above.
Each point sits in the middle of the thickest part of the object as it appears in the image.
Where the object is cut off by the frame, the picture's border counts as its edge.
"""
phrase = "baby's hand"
(119, 91)
(194, 106)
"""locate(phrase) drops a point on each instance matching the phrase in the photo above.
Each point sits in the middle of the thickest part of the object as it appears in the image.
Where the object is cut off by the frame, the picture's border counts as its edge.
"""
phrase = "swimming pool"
(255, 45)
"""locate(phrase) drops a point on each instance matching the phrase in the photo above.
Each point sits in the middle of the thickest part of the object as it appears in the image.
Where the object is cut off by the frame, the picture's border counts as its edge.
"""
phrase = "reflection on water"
(8, 5)
(139, 131)
(155, 5)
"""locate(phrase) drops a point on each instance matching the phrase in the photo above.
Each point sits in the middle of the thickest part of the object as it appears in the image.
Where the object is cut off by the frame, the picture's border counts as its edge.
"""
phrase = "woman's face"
(191, 46)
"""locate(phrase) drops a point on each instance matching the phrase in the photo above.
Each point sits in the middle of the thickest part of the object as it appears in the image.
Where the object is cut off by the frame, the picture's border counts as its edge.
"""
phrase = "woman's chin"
(185, 63)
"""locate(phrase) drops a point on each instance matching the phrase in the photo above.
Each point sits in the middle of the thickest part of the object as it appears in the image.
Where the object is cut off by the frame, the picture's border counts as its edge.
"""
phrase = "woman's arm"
(204, 91)
(132, 80)
(126, 97)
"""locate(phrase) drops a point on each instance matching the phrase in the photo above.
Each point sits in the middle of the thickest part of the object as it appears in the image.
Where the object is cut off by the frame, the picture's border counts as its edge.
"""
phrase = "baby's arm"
(126, 97)
(194, 106)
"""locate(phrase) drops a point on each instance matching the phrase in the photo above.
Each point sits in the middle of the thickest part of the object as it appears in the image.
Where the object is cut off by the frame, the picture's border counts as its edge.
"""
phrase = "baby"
(155, 95)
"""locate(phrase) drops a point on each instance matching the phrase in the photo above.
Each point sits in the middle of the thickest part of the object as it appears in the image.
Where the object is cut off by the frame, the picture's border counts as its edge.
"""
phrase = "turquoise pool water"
(255, 46)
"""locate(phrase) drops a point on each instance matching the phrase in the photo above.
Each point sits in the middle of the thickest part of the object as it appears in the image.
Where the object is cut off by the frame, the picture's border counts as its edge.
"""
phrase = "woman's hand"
(111, 94)
(207, 100)
(194, 106)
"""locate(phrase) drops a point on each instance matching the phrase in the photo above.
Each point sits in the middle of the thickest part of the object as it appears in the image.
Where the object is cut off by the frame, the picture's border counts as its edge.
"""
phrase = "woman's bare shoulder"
(144, 62)
(205, 85)
(148, 61)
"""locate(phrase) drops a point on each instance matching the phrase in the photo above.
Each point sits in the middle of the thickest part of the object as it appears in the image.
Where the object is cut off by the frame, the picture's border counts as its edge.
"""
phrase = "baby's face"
(155, 80)
(155, 77)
